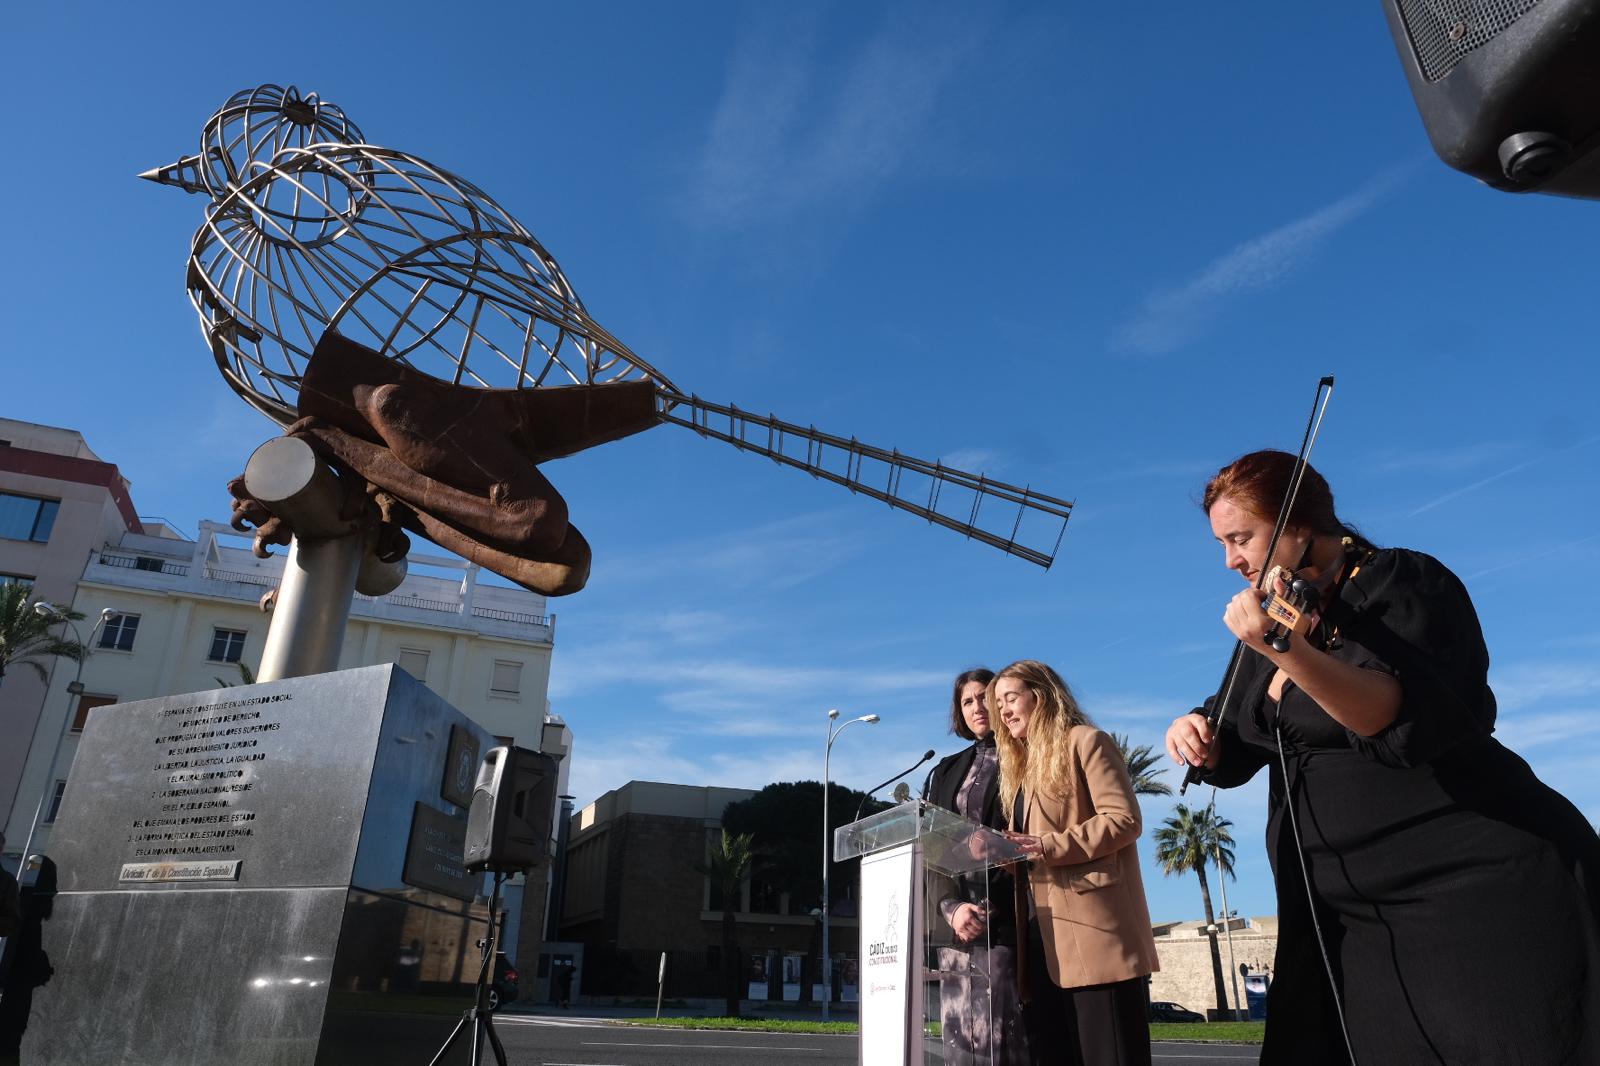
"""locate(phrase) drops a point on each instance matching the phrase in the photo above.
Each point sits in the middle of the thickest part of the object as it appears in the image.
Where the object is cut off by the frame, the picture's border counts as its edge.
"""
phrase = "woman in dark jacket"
(1455, 896)
(981, 1014)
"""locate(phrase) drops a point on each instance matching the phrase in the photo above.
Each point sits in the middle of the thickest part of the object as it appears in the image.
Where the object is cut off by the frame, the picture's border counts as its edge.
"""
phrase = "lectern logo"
(464, 771)
(886, 951)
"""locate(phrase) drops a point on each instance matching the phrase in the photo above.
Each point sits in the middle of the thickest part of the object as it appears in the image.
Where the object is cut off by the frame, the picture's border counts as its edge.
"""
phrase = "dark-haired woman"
(981, 1017)
(1458, 897)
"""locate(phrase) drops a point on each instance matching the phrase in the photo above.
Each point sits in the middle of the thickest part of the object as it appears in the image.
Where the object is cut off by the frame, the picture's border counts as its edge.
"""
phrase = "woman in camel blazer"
(1073, 810)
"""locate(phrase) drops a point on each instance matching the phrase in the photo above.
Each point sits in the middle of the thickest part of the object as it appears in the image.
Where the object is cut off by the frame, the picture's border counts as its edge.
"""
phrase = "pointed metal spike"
(185, 174)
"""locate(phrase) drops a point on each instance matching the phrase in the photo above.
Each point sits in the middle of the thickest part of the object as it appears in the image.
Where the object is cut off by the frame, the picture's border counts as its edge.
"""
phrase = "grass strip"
(1229, 1032)
(756, 1025)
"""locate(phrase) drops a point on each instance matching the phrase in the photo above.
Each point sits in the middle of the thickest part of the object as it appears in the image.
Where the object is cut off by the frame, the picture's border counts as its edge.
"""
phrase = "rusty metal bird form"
(401, 321)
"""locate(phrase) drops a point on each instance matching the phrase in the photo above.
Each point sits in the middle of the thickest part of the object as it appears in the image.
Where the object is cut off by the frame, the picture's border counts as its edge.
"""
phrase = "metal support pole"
(74, 688)
(313, 606)
(1227, 928)
(827, 861)
(827, 854)
(326, 556)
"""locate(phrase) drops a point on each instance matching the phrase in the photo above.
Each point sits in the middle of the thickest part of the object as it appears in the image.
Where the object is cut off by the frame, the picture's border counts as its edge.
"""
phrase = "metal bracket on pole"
(329, 558)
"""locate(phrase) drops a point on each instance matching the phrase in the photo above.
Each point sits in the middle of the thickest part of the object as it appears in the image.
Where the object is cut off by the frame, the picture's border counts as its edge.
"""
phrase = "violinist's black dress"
(1459, 896)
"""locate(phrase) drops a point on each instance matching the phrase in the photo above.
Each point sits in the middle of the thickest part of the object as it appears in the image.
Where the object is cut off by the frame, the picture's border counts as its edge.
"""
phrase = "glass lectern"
(918, 862)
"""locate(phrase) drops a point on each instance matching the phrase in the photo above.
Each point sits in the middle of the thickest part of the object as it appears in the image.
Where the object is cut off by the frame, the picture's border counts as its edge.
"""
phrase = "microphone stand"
(862, 805)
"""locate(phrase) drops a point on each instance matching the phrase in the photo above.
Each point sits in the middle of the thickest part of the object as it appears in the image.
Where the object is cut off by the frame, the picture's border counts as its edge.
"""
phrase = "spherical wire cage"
(392, 252)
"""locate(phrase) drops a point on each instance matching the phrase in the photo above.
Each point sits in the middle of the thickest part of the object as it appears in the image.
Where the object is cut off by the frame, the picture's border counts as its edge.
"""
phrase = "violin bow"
(1319, 407)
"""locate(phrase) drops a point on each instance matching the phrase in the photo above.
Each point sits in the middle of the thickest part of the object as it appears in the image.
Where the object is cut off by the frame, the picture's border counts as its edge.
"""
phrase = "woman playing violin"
(1458, 897)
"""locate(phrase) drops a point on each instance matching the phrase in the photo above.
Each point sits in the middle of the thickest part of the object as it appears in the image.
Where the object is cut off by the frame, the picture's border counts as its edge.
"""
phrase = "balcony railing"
(145, 563)
(442, 606)
(512, 616)
(264, 579)
(244, 577)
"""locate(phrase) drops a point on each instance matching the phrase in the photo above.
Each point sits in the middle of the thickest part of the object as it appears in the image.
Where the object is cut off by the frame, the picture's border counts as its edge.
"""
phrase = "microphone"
(925, 757)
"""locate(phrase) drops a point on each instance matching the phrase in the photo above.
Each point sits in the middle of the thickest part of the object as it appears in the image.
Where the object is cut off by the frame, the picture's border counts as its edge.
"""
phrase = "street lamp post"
(75, 688)
(827, 853)
(1227, 928)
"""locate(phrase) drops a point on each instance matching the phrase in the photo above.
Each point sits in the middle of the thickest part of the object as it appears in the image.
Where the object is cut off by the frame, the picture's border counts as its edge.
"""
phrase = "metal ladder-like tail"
(893, 477)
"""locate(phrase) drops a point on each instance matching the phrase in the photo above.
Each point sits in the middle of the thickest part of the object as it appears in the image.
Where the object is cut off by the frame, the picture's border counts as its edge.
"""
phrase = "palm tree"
(1188, 841)
(25, 636)
(727, 865)
(248, 675)
(1143, 767)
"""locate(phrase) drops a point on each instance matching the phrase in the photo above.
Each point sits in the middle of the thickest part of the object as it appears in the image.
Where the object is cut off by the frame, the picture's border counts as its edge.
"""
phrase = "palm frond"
(1143, 767)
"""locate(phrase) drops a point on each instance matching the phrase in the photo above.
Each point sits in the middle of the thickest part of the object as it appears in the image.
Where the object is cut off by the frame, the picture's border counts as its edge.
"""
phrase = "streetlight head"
(870, 718)
(45, 609)
(833, 712)
(107, 612)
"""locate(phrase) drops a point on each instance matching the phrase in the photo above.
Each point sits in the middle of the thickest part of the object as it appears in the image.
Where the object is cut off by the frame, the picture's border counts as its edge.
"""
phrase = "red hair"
(1259, 482)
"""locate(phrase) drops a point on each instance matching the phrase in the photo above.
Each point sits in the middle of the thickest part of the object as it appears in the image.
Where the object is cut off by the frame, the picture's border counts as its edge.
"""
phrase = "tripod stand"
(479, 1016)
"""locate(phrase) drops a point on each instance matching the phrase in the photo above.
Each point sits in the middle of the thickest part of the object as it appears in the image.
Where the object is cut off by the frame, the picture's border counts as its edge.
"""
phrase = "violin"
(1299, 598)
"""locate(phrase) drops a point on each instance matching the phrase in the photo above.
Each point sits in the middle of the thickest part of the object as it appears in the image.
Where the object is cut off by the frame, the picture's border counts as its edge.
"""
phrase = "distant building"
(1186, 977)
(58, 502)
(187, 615)
(632, 891)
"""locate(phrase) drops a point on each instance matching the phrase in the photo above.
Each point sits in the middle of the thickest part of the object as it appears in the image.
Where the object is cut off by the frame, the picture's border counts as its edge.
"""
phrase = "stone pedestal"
(264, 875)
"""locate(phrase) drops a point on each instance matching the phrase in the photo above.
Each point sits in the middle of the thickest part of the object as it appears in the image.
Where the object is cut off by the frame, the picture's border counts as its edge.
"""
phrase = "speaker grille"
(1444, 32)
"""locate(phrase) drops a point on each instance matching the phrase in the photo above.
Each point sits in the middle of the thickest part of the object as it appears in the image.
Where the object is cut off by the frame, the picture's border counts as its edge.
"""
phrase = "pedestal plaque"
(262, 875)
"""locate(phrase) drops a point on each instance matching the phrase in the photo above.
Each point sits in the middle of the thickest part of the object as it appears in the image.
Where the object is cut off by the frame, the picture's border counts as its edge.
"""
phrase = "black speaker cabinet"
(1509, 90)
(508, 824)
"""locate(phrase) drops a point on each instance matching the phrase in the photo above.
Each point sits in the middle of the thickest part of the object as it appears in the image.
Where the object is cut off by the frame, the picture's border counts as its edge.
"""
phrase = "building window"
(26, 517)
(414, 661)
(144, 562)
(16, 579)
(55, 802)
(87, 703)
(507, 678)
(226, 645)
(119, 632)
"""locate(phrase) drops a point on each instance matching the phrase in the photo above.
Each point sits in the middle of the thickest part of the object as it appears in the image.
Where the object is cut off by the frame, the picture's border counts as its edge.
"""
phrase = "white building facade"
(186, 615)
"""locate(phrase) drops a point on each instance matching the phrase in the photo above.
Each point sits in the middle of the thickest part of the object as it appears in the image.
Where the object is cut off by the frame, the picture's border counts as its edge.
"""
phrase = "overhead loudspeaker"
(1509, 90)
(508, 824)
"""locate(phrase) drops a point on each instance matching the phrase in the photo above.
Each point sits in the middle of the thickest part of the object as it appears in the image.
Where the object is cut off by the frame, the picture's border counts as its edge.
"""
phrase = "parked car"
(1162, 1011)
(505, 986)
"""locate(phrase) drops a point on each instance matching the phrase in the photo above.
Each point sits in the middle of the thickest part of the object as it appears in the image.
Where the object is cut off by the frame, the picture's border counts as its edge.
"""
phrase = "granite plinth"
(264, 875)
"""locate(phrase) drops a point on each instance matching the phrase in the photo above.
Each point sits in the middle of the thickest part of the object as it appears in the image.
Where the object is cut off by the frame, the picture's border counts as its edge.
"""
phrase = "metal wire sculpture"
(310, 230)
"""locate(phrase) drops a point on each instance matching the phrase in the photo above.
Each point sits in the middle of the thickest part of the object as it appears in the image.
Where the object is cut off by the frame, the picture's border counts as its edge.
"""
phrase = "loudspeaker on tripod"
(508, 824)
(1509, 90)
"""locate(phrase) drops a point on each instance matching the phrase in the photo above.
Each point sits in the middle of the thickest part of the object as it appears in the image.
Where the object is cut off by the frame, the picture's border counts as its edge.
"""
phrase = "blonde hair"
(1039, 764)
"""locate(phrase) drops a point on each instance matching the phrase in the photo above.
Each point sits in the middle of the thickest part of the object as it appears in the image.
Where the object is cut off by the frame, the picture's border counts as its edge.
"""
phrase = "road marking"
(560, 1023)
(707, 1047)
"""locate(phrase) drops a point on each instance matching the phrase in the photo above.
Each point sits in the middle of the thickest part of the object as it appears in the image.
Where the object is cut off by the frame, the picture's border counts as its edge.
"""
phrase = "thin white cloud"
(793, 131)
(1528, 685)
(678, 760)
(974, 460)
(1559, 549)
(1531, 730)
(1492, 478)
(773, 555)
(1440, 460)
(1169, 318)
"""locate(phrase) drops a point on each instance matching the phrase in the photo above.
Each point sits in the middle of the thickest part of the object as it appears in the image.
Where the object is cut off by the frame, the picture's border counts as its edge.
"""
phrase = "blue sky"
(1095, 251)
